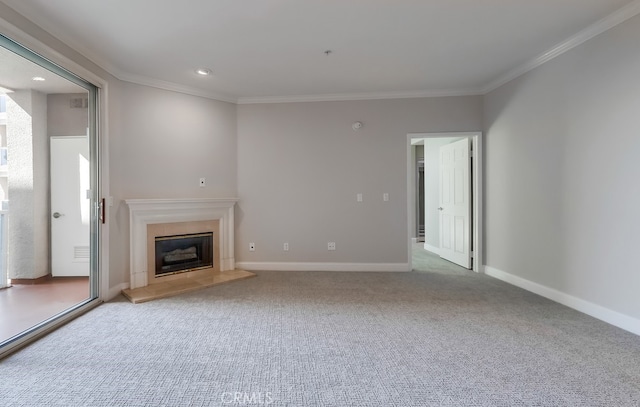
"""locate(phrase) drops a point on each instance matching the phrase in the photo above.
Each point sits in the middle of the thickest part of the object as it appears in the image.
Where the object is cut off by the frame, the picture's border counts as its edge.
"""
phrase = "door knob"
(57, 215)
(440, 208)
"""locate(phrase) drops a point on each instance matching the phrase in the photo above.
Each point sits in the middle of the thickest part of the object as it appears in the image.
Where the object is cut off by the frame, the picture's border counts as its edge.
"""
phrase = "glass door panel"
(48, 192)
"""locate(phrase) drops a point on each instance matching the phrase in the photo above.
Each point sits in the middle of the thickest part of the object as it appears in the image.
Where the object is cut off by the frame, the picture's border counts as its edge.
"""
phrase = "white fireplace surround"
(143, 212)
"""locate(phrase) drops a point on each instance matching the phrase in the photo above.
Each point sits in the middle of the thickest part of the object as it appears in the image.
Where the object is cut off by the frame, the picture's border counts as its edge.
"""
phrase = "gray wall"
(62, 120)
(300, 166)
(168, 140)
(562, 164)
(162, 142)
(561, 159)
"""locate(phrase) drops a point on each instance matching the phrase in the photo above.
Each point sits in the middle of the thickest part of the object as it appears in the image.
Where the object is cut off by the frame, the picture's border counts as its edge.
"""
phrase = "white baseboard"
(290, 266)
(432, 249)
(604, 314)
(115, 291)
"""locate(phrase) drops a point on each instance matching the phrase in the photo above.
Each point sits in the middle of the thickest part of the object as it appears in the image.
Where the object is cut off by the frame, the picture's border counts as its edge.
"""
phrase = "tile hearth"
(192, 281)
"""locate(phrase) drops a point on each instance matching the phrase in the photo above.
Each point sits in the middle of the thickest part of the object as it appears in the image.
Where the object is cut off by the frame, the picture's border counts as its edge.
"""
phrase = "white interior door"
(455, 203)
(70, 206)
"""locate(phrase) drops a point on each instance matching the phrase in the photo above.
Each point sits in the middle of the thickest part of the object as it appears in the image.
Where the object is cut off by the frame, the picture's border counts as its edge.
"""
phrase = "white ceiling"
(262, 50)
(17, 73)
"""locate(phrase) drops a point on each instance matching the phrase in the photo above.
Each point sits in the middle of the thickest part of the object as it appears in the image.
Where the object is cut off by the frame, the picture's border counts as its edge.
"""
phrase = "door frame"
(476, 187)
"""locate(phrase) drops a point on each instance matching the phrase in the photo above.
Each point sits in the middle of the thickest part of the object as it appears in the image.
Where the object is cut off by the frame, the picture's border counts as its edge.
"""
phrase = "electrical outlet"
(385, 197)
(331, 246)
(202, 182)
(359, 197)
(285, 247)
(252, 247)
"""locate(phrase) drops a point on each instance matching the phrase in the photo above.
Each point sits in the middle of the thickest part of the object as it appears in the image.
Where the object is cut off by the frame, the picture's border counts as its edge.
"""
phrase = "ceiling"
(17, 73)
(268, 50)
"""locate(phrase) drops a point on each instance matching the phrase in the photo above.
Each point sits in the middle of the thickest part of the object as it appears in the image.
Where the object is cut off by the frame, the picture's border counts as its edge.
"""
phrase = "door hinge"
(471, 254)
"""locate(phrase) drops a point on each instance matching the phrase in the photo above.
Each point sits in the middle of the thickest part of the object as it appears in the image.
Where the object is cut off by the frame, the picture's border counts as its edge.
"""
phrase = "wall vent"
(79, 103)
(81, 252)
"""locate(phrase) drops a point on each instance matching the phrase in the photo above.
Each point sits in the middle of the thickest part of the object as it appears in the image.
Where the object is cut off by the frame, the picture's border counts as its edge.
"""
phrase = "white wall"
(300, 166)
(562, 149)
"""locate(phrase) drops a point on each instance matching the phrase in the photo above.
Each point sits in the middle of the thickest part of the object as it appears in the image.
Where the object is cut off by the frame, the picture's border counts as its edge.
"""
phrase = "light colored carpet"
(331, 339)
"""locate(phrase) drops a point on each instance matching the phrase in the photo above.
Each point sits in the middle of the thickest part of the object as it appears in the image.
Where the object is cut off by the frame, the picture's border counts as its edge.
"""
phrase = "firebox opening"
(181, 253)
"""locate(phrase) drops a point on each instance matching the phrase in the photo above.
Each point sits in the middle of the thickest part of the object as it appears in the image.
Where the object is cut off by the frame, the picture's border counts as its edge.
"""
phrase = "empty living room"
(319, 203)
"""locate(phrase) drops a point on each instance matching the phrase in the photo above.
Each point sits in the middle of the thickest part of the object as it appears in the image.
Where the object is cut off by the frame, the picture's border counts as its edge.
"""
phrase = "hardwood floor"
(23, 306)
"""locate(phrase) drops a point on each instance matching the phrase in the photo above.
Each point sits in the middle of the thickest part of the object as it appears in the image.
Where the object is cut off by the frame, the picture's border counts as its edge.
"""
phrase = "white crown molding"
(334, 97)
(174, 87)
(602, 25)
(597, 311)
(617, 17)
(347, 267)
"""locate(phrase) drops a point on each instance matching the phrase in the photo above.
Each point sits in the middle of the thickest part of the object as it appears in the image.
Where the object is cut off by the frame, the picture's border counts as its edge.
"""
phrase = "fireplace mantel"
(143, 212)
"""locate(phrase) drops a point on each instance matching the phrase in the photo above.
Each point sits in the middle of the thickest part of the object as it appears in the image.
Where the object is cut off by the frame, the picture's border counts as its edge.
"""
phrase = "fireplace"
(182, 253)
(150, 218)
(176, 249)
(190, 223)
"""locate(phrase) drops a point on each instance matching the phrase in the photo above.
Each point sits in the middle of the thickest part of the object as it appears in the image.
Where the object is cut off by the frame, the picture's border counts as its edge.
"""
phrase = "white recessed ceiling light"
(38, 78)
(203, 71)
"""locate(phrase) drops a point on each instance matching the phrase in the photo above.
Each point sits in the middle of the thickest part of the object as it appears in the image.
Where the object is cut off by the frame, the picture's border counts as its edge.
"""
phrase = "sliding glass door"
(49, 211)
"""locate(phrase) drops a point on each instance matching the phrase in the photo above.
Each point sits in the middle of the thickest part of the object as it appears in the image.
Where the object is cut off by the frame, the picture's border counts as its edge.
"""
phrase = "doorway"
(428, 148)
(40, 103)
